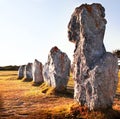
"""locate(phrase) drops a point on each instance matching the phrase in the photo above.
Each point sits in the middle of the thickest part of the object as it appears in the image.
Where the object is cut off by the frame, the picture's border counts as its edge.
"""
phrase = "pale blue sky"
(30, 28)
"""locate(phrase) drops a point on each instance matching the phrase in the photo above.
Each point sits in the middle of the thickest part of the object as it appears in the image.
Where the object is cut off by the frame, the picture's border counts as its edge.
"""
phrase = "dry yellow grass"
(119, 74)
(118, 87)
(21, 100)
(8, 75)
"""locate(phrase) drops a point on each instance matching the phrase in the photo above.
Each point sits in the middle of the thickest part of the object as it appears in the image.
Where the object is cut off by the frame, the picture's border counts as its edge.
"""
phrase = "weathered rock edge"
(95, 70)
(57, 69)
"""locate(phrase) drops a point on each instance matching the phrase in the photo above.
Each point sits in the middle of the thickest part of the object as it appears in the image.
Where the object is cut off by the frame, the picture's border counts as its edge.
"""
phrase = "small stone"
(21, 72)
(37, 72)
(28, 72)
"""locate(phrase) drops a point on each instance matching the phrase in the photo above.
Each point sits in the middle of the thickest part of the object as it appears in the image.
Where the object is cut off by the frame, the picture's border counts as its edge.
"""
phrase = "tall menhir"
(95, 70)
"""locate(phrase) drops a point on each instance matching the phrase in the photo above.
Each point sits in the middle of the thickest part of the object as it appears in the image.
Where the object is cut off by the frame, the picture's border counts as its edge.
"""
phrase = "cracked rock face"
(95, 70)
(21, 72)
(37, 72)
(56, 70)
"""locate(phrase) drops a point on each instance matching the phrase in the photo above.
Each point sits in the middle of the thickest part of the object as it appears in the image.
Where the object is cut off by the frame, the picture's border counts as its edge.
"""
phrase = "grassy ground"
(21, 100)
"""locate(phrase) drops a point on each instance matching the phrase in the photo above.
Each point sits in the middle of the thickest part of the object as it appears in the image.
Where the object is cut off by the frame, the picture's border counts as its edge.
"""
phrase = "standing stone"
(37, 72)
(28, 72)
(21, 72)
(95, 70)
(56, 70)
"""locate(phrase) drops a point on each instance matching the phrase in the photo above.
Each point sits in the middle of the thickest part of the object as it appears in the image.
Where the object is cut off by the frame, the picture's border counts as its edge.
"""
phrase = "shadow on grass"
(117, 96)
(67, 93)
(36, 83)
(1, 101)
(1, 104)
(75, 113)
(81, 112)
(111, 114)
(27, 80)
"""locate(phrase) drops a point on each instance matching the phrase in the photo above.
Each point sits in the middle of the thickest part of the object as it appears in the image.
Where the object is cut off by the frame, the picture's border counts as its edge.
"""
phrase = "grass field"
(21, 100)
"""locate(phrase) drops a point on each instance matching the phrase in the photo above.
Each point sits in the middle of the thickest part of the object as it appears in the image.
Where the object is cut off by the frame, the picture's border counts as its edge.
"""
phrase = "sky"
(30, 28)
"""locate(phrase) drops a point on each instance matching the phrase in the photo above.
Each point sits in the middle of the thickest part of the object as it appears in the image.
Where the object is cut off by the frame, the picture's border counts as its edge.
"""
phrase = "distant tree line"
(15, 68)
(9, 68)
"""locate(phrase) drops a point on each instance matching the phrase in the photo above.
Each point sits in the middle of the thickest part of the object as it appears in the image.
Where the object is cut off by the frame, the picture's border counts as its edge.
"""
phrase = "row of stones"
(94, 70)
(55, 72)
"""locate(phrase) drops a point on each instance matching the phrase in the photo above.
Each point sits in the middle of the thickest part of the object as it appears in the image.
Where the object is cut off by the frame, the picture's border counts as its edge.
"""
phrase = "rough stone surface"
(28, 72)
(37, 72)
(95, 70)
(21, 72)
(56, 70)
